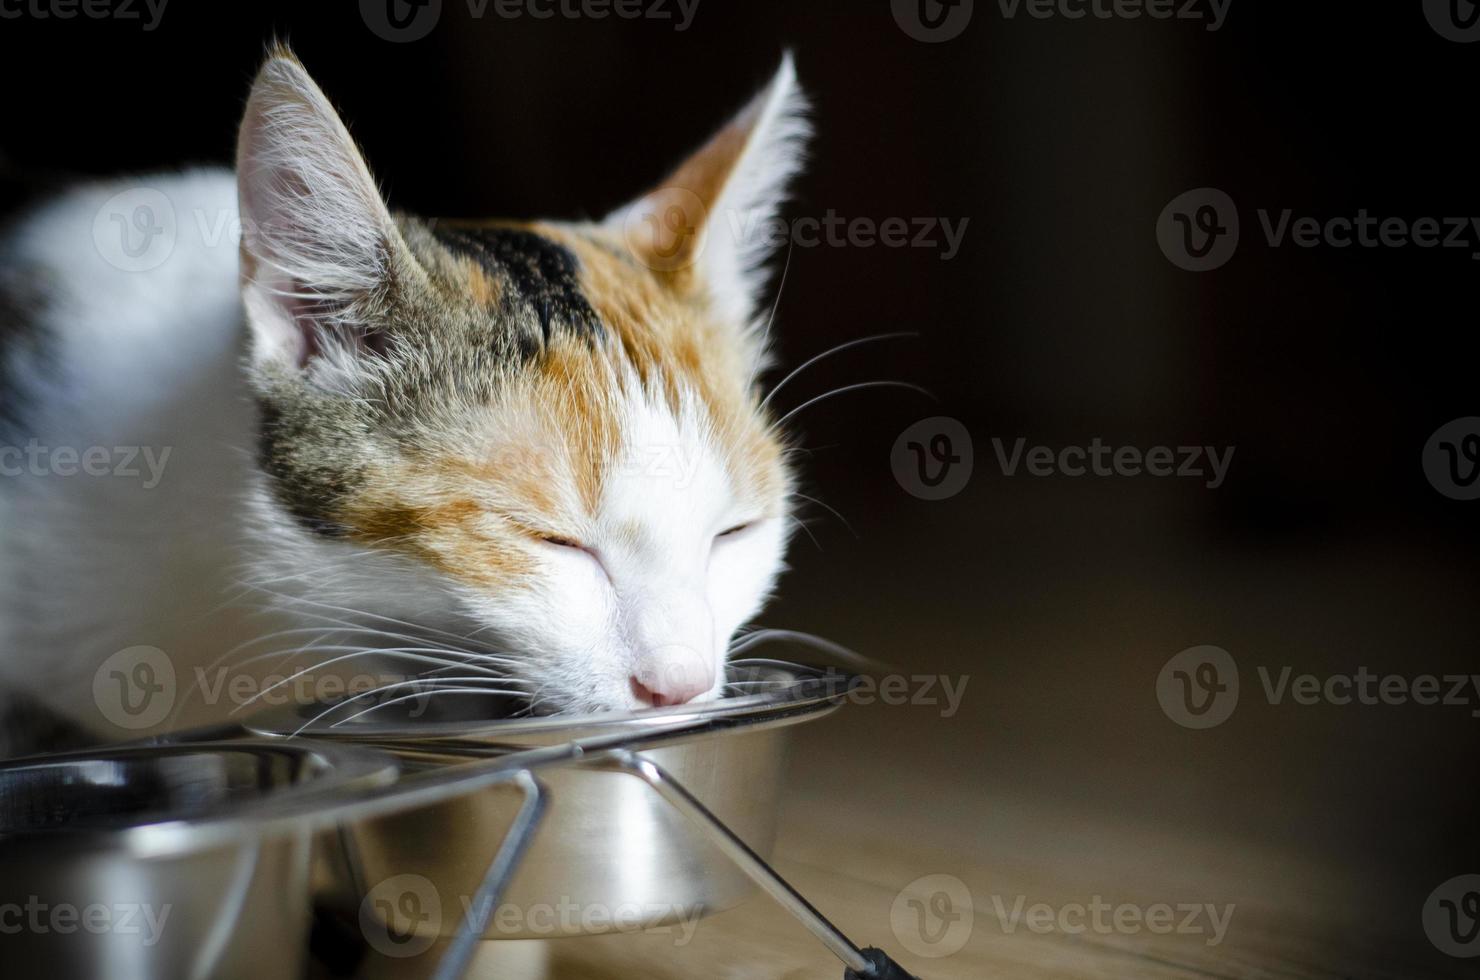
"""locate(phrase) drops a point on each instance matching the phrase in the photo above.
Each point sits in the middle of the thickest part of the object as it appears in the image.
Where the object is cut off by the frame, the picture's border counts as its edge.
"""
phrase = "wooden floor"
(853, 848)
(1318, 832)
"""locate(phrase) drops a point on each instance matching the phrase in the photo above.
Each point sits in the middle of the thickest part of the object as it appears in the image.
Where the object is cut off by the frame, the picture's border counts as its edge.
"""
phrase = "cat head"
(542, 438)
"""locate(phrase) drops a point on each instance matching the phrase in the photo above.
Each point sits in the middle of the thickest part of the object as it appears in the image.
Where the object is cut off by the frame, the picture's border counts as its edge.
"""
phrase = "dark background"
(1059, 320)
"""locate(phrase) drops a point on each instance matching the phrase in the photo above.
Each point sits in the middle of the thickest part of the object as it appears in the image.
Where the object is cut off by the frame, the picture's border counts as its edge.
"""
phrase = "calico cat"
(530, 456)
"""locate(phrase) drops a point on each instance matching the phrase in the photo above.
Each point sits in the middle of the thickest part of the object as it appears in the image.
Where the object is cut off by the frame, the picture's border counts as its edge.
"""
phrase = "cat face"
(542, 439)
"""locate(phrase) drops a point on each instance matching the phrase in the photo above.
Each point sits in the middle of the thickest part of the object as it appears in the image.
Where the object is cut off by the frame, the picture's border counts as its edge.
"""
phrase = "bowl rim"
(810, 689)
(348, 768)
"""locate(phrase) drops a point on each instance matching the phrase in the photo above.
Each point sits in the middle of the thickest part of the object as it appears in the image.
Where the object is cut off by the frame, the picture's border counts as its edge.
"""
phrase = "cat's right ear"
(319, 247)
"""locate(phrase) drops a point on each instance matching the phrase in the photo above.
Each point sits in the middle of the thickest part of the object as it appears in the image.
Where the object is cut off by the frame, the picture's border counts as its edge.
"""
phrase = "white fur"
(658, 594)
(93, 564)
(734, 265)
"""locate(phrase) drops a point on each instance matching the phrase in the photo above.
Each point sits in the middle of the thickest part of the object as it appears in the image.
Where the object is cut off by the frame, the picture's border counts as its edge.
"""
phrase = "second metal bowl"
(158, 861)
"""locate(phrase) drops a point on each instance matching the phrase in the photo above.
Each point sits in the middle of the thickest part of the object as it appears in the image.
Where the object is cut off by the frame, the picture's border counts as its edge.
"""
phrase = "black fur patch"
(541, 287)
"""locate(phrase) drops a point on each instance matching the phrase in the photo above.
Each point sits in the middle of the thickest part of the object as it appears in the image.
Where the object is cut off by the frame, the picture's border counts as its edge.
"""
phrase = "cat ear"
(318, 244)
(714, 214)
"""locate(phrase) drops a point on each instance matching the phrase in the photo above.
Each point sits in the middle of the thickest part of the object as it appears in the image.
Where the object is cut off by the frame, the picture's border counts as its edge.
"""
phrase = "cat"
(525, 456)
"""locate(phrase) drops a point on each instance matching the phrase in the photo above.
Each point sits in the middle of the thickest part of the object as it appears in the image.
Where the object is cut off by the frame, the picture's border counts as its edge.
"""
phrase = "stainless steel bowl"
(165, 861)
(612, 854)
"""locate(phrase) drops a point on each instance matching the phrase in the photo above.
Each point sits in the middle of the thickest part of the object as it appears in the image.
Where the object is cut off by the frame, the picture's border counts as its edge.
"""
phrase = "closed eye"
(737, 529)
(561, 542)
(574, 547)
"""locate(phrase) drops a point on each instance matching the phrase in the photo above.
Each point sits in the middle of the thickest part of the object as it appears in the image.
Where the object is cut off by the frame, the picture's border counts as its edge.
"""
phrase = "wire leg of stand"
(749, 861)
(454, 962)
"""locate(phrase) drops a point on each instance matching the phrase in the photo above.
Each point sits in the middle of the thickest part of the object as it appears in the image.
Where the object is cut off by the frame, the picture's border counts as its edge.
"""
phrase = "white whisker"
(828, 353)
(844, 390)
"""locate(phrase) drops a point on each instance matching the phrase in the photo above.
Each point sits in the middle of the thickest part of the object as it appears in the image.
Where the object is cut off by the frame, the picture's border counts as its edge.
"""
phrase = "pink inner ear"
(319, 319)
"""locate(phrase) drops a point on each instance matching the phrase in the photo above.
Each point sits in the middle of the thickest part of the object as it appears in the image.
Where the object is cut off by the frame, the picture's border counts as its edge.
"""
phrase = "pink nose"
(665, 688)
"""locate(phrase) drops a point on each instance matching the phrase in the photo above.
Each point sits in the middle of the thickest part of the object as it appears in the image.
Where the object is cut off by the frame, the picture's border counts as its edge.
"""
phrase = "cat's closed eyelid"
(739, 528)
(559, 540)
(568, 545)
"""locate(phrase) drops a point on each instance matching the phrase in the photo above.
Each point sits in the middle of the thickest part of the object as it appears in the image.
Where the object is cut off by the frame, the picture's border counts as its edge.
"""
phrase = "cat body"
(254, 418)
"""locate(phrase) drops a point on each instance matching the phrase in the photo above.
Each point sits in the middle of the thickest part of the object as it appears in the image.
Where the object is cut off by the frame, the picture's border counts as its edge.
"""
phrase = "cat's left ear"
(710, 224)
